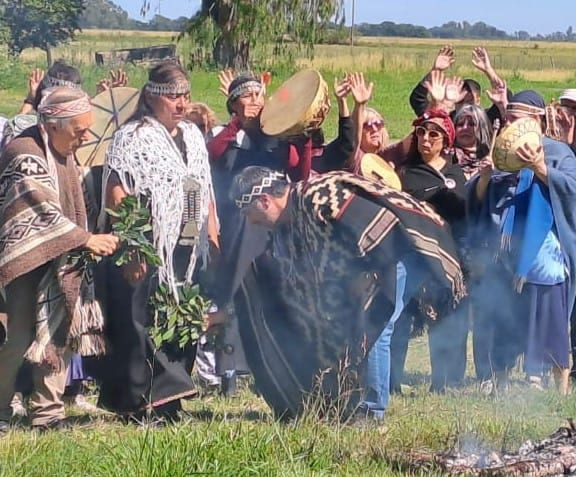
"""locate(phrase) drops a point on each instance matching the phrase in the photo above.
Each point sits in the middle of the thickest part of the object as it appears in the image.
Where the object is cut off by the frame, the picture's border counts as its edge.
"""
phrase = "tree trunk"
(48, 51)
(231, 53)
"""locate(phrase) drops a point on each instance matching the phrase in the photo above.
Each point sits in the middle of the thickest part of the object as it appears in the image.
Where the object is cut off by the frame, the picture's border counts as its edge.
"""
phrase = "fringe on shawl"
(135, 155)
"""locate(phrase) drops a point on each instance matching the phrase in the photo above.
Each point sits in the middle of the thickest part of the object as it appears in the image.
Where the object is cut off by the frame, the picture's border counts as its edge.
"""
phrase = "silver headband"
(163, 89)
(261, 188)
(52, 82)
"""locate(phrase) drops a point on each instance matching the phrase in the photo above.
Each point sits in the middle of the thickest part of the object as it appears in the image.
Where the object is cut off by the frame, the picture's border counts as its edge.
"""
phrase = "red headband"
(441, 119)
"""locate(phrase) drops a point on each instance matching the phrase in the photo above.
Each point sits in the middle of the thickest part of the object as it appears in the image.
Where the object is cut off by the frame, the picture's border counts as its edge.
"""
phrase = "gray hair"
(483, 129)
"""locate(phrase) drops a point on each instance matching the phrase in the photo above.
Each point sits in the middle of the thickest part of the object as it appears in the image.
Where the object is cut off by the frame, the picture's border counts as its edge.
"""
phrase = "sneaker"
(487, 387)
(535, 382)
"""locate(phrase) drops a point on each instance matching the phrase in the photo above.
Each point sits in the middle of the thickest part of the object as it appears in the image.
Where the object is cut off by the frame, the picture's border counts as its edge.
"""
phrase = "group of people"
(324, 271)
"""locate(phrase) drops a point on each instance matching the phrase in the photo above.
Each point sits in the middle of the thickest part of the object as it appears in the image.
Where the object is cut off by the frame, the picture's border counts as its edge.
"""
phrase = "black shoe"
(56, 425)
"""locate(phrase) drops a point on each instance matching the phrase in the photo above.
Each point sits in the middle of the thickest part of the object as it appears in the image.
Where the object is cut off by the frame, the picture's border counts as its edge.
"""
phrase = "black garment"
(241, 243)
(419, 102)
(425, 183)
(134, 375)
(337, 153)
(447, 339)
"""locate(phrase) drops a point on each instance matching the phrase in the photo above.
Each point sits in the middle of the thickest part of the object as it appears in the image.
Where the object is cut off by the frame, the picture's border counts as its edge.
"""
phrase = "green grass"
(238, 436)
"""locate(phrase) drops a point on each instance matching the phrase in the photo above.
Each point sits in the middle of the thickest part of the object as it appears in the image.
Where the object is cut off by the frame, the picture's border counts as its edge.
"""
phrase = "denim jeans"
(377, 376)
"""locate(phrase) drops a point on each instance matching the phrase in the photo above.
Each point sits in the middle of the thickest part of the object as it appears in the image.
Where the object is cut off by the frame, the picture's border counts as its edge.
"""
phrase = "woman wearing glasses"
(429, 174)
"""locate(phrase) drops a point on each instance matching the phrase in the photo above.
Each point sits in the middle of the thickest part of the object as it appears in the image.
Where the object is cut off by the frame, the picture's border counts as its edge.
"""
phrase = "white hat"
(569, 94)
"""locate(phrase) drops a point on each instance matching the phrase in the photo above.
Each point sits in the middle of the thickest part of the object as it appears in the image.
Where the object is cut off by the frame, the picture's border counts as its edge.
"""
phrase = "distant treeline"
(456, 30)
(107, 15)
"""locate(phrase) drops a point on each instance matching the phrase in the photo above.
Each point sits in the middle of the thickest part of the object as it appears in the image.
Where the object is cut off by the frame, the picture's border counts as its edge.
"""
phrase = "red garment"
(300, 161)
(221, 142)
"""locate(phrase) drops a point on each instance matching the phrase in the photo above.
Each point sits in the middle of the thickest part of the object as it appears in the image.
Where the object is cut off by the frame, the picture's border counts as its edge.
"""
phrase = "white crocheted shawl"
(149, 164)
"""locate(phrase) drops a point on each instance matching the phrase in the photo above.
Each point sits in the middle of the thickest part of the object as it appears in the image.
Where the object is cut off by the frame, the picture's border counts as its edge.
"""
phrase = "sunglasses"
(434, 135)
(375, 124)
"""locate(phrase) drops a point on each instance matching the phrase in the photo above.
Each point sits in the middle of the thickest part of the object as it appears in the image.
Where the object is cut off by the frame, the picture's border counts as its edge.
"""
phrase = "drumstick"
(495, 128)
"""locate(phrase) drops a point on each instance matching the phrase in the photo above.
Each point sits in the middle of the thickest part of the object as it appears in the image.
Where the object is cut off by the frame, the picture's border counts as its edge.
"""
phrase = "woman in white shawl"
(161, 158)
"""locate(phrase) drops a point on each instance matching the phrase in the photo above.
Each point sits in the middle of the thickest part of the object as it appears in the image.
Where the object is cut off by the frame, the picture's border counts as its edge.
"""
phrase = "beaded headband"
(52, 82)
(164, 89)
(263, 187)
(245, 87)
(525, 108)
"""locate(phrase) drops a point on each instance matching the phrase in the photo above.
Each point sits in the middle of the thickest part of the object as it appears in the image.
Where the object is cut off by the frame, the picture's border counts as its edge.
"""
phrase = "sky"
(533, 16)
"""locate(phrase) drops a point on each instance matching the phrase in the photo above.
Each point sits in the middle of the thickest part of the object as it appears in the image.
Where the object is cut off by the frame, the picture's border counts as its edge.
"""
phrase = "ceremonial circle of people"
(128, 259)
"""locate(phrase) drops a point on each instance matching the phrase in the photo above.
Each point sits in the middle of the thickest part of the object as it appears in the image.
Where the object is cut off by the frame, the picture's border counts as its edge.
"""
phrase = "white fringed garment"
(149, 164)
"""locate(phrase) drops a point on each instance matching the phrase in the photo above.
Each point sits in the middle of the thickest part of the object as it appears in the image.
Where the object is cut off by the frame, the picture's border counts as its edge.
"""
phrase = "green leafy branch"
(178, 322)
(132, 224)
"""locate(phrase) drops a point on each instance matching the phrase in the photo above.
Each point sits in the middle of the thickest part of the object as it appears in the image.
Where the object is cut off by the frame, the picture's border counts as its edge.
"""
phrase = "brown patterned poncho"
(310, 319)
(43, 220)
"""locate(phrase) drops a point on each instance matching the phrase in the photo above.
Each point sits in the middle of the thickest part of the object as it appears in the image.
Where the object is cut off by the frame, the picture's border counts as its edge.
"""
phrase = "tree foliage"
(41, 24)
(232, 30)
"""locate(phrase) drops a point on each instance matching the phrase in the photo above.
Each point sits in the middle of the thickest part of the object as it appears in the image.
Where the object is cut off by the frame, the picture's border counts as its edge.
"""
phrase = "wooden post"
(352, 26)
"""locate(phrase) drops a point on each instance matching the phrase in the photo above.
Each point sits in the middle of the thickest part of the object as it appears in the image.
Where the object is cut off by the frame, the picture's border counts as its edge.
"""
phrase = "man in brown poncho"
(44, 276)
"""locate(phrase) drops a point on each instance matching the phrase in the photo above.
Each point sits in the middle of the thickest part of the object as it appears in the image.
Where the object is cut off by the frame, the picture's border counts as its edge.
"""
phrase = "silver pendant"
(450, 183)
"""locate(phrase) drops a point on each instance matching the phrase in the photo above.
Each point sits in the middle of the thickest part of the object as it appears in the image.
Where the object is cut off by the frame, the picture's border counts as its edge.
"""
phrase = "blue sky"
(534, 16)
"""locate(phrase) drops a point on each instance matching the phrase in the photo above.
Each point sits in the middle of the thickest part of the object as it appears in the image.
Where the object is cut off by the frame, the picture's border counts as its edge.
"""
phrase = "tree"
(232, 29)
(41, 24)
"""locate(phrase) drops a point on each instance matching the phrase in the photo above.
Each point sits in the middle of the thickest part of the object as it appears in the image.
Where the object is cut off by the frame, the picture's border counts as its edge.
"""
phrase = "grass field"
(237, 437)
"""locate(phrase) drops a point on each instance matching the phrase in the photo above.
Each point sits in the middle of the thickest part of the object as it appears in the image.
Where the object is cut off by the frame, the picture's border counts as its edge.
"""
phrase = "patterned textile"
(43, 219)
(148, 163)
(326, 291)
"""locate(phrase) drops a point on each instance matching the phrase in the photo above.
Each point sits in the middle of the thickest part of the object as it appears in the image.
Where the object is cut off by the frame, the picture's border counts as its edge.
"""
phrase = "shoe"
(4, 427)
(535, 382)
(487, 387)
(52, 426)
(17, 405)
(79, 402)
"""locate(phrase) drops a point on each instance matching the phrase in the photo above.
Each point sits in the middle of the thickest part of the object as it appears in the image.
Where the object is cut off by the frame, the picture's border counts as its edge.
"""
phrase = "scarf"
(532, 202)
(149, 163)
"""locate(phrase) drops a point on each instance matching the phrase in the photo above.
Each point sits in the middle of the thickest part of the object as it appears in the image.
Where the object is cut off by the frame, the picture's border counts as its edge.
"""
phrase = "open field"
(237, 437)
(393, 64)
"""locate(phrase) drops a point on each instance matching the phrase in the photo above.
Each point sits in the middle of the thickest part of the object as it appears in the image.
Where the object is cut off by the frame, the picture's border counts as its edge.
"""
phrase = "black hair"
(251, 176)
(59, 70)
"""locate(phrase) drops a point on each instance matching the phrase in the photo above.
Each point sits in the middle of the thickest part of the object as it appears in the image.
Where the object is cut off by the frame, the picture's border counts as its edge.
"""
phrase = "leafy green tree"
(232, 29)
(41, 24)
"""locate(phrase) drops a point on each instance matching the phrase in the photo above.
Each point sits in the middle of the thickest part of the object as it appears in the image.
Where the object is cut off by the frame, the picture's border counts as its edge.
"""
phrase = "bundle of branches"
(177, 320)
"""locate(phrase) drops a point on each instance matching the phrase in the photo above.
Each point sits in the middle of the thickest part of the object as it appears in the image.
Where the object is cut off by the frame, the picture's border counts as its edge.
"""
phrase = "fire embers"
(553, 456)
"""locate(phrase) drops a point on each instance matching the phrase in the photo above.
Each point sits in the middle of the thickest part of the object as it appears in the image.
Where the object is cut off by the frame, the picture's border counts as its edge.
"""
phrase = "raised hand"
(225, 77)
(455, 91)
(342, 87)
(565, 121)
(530, 155)
(34, 79)
(118, 78)
(436, 86)
(480, 59)
(499, 95)
(361, 92)
(444, 58)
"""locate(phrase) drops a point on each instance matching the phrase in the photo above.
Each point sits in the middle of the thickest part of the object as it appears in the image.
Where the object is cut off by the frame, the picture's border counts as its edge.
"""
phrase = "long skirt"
(135, 375)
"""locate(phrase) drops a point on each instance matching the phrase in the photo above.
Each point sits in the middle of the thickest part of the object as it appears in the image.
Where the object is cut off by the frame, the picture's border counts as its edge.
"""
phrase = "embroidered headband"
(246, 87)
(164, 89)
(264, 186)
(66, 109)
(53, 82)
(525, 109)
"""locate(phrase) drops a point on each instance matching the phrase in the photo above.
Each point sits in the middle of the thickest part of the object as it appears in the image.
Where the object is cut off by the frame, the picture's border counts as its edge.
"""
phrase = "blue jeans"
(377, 377)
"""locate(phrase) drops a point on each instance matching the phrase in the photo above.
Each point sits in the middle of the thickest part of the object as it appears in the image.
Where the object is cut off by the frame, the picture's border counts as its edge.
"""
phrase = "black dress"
(135, 375)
